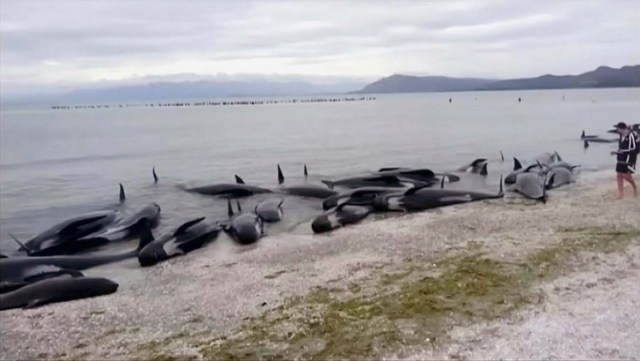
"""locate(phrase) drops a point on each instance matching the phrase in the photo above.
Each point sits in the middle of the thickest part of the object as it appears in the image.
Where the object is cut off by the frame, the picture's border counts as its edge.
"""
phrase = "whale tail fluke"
(123, 197)
(328, 183)
(155, 176)
(280, 175)
(239, 179)
(20, 244)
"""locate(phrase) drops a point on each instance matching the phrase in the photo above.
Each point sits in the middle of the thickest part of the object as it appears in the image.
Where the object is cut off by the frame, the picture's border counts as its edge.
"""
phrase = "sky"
(59, 45)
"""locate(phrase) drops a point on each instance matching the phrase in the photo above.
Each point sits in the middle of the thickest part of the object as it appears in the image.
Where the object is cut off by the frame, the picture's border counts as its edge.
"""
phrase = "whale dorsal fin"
(280, 175)
(328, 183)
(186, 225)
(558, 158)
(238, 204)
(123, 197)
(582, 136)
(501, 156)
(516, 164)
(239, 179)
(306, 173)
(155, 176)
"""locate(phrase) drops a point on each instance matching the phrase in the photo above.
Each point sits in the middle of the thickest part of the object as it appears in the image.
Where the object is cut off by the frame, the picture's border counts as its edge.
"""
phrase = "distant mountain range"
(190, 90)
(195, 88)
(602, 77)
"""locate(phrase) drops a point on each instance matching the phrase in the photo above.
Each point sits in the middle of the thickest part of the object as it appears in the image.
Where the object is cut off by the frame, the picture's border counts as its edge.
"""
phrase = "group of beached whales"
(51, 268)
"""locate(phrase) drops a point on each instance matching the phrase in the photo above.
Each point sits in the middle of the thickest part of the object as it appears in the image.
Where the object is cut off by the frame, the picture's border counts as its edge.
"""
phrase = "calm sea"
(58, 163)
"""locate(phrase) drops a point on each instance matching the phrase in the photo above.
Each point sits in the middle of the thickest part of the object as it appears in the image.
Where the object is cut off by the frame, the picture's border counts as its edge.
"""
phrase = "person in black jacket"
(626, 158)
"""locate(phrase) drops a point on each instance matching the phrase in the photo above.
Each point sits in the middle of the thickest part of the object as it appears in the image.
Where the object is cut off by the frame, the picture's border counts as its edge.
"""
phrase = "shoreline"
(201, 304)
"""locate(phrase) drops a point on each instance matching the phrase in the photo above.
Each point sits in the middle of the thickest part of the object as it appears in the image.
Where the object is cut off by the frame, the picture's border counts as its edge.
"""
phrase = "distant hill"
(416, 84)
(602, 77)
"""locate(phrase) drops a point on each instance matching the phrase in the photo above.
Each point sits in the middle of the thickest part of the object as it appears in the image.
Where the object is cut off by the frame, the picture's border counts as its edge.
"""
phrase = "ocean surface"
(56, 164)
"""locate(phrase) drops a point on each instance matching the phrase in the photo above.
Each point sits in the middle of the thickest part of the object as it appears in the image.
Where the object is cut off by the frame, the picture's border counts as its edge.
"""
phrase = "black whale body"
(303, 190)
(61, 238)
(424, 198)
(189, 236)
(56, 290)
(16, 272)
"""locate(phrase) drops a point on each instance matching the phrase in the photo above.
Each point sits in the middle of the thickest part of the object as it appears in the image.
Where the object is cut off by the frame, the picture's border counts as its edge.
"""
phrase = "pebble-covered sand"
(590, 314)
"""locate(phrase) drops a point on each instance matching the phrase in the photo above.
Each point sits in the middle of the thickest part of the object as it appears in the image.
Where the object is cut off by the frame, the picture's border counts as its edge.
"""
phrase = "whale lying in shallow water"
(423, 198)
(16, 272)
(63, 237)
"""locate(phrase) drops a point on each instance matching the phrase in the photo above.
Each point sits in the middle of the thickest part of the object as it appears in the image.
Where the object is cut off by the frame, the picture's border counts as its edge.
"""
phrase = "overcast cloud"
(62, 44)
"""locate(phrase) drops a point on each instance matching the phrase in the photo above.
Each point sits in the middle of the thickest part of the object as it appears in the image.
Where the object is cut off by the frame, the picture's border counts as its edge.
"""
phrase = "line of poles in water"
(215, 103)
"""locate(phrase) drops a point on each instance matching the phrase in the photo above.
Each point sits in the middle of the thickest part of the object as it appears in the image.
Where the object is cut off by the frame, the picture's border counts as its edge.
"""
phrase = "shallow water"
(55, 164)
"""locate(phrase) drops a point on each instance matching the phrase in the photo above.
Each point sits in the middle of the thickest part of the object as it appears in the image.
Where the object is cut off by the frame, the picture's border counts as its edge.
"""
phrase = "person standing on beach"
(626, 154)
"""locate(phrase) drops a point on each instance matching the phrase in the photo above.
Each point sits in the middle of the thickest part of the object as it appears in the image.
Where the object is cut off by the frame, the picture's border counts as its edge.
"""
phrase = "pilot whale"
(127, 228)
(270, 210)
(304, 190)
(531, 185)
(423, 198)
(187, 237)
(244, 228)
(57, 290)
(226, 190)
(390, 181)
(342, 215)
(16, 272)
(364, 195)
(61, 238)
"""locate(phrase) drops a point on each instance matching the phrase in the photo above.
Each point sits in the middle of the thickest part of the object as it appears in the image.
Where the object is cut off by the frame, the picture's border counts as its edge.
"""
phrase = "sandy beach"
(503, 279)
